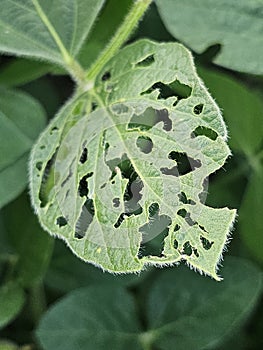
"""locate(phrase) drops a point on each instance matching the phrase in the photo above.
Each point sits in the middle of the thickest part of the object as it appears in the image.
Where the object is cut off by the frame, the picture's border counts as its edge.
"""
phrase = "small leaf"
(235, 25)
(17, 112)
(95, 318)
(59, 27)
(189, 312)
(11, 300)
(31, 244)
(242, 110)
(132, 152)
(250, 220)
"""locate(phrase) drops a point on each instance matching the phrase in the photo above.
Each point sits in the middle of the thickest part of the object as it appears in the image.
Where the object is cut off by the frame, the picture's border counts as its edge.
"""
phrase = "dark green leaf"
(250, 215)
(189, 312)
(89, 319)
(21, 118)
(32, 245)
(235, 25)
(46, 29)
(11, 302)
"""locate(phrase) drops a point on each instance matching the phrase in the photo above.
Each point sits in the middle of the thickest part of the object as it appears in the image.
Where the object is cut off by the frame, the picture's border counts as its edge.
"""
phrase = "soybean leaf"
(235, 25)
(21, 71)
(129, 154)
(250, 221)
(188, 312)
(46, 29)
(21, 118)
(11, 302)
(242, 109)
(31, 244)
(105, 317)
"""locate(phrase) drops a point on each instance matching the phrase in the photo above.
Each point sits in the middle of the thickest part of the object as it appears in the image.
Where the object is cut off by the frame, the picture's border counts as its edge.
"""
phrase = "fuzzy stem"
(123, 33)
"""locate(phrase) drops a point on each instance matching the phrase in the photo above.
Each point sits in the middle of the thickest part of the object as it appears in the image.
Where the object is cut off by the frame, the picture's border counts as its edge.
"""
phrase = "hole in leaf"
(170, 171)
(145, 144)
(42, 147)
(206, 243)
(84, 156)
(85, 219)
(94, 106)
(149, 119)
(53, 130)
(154, 232)
(116, 202)
(149, 60)
(185, 164)
(203, 131)
(61, 221)
(83, 185)
(47, 181)
(176, 228)
(175, 89)
(183, 199)
(176, 244)
(39, 165)
(106, 76)
(198, 109)
(184, 214)
(187, 249)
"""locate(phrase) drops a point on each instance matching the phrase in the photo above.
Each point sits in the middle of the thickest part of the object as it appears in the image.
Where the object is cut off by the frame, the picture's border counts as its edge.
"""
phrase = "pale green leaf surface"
(46, 29)
(21, 118)
(87, 162)
(11, 302)
(94, 318)
(242, 109)
(30, 243)
(250, 219)
(189, 312)
(236, 25)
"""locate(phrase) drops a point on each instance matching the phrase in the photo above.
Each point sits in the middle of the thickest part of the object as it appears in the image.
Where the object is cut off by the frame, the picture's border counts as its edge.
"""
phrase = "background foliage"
(47, 293)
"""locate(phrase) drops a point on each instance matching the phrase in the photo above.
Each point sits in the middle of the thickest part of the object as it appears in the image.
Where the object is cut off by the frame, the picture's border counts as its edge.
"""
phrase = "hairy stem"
(122, 34)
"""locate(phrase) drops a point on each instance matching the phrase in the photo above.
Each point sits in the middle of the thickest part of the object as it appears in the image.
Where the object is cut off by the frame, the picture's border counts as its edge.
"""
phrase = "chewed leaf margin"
(128, 161)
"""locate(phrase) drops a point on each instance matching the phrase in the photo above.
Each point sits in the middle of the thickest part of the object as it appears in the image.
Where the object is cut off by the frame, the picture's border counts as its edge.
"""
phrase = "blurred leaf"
(21, 119)
(21, 71)
(46, 29)
(190, 312)
(250, 215)
(94, 318)
(33, 246)
(11, 302)
(242, 109)
(236, 25)
(104, 29)
(7, 345)
(67, 272)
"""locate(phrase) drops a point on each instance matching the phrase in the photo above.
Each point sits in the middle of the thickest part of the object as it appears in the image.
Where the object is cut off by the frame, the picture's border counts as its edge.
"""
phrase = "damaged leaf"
(128, 161)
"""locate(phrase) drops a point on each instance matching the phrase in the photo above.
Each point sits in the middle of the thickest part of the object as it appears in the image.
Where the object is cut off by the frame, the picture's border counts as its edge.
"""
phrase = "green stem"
(125, 30)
